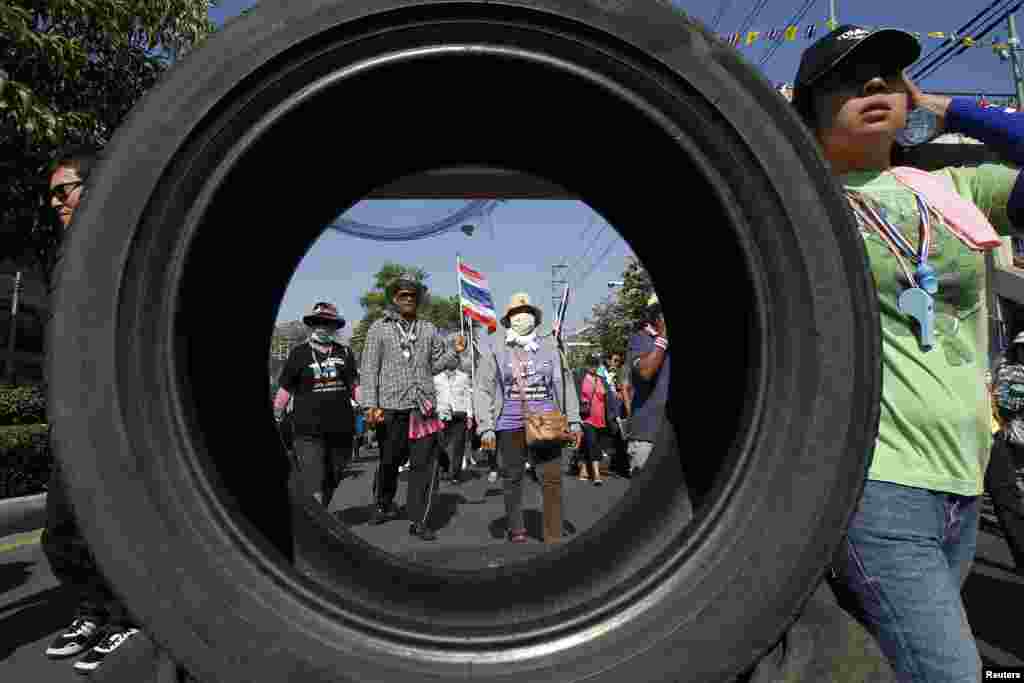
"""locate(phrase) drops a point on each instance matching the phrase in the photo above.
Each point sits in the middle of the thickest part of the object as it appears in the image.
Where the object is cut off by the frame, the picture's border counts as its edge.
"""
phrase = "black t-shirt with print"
(322, 386)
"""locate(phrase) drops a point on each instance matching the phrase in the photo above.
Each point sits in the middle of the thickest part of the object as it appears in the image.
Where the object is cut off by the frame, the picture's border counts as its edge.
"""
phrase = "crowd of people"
(913, 537)
(428, 400)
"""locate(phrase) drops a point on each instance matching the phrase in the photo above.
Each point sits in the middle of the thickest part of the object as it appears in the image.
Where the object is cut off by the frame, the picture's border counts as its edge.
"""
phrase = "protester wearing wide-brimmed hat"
(320, 378)
(525, 373)
(324, 314)
(400, 359)
(911, 541)
(520, 303)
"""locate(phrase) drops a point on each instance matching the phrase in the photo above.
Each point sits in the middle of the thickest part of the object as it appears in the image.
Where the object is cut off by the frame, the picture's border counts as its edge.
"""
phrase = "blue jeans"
(899, 572)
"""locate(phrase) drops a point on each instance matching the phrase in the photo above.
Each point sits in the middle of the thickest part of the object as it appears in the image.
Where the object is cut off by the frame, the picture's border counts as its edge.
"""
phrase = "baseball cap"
(892, 47)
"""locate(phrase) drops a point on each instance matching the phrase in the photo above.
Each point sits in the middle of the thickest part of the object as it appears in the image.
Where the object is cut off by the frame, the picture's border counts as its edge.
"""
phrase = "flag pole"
(458, 289)
(472, 367)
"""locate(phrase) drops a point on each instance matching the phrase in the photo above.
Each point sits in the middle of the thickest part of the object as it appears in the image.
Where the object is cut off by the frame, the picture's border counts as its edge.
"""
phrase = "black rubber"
(227, 172)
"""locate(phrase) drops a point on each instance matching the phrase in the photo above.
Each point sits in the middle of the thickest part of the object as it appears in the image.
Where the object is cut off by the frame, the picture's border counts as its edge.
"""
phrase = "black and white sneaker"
(82, 634)
(112, 639)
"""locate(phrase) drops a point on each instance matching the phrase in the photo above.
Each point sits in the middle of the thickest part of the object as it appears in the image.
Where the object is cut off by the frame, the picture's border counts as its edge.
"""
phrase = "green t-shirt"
(934, 431)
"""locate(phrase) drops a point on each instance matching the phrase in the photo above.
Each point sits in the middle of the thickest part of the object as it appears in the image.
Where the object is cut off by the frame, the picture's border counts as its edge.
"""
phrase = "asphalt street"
(470, 519)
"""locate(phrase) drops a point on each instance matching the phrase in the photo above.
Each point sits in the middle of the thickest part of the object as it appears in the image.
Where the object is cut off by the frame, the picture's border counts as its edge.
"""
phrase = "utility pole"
(832, 15)
(1014, 43)
(558, 283)
(12, 333)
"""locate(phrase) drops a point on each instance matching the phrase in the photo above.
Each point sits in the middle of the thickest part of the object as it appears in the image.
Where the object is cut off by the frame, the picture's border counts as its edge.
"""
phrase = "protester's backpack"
(1009, 382)
(1009, 395)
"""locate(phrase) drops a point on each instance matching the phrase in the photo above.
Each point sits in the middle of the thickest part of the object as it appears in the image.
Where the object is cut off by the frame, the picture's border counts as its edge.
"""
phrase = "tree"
(70, 70)
(442, 311)
(614, 320)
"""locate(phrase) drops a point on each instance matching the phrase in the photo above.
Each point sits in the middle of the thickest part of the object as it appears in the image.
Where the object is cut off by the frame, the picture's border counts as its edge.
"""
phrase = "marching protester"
(401, 356)
(454, 407)
(598, 407)
(647, 386)
(321, 376)
(520, 379)
(912, 539)
(1007, 446)
(620, 458)
(101, 624)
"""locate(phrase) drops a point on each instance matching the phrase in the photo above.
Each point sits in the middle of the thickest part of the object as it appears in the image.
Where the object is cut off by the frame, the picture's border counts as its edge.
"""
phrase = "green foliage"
(22, 405)
(613, 321)
(442, 311)
(25, 460)
(70, 70)
(22, 436)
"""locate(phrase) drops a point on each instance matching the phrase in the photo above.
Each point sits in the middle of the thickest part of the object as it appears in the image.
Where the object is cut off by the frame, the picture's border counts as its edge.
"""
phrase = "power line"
(574, 268)
(988, 29)
(604, 255)
(752, 16)
(794, 21)
(723, 7)
(920, 63)
(590, 224)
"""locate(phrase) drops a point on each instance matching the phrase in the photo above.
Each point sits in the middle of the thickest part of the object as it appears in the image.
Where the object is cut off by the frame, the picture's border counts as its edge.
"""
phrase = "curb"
(22, 514)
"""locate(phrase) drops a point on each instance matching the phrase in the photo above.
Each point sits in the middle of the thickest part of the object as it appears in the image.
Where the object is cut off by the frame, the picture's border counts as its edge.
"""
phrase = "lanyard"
(924, 275)
(328, 355)
(407, 339)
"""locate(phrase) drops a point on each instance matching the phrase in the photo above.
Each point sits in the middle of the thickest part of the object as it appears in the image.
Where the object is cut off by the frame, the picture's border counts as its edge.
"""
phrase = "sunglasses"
(64, 190)
(854, 77)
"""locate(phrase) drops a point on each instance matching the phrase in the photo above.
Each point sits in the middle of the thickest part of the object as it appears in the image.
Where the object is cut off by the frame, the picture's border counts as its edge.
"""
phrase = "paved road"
(471, 522)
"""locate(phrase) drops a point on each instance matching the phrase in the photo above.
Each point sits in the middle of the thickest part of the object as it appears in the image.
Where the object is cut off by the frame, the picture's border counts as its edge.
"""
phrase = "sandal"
(518, 536)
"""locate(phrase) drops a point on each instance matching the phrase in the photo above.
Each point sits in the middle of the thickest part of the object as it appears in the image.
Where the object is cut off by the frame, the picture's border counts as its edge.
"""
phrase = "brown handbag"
(546, 429)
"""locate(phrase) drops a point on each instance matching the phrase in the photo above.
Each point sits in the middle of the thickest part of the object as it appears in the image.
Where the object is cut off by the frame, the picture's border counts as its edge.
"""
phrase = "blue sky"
(340, 268)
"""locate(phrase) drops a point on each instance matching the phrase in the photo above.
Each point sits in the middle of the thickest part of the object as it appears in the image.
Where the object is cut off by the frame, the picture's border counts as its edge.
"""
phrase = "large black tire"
(169, 448)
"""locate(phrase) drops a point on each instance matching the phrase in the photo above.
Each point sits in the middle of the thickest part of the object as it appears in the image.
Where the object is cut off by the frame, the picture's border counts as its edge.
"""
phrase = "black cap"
(899, 48)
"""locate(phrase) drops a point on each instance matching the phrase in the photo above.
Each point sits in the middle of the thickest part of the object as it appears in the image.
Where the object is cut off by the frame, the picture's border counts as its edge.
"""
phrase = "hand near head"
(660, 327)
(937, 104)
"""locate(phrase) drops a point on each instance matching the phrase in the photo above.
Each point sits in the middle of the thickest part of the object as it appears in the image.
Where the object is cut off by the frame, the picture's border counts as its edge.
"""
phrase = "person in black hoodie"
(321, 375)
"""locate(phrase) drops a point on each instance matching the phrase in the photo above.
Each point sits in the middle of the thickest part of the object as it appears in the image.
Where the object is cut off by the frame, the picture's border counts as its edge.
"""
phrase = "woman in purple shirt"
(526, 367)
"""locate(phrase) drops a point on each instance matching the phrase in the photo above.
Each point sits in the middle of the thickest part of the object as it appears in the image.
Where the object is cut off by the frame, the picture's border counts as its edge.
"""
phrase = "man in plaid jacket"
(401, 357)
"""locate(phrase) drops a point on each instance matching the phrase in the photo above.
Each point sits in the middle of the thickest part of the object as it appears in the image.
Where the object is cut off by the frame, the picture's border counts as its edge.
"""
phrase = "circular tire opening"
(227, 173)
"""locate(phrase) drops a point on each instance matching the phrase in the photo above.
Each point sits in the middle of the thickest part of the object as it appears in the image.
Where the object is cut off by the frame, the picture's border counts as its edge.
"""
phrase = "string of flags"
(809, 31)
(1008, 104)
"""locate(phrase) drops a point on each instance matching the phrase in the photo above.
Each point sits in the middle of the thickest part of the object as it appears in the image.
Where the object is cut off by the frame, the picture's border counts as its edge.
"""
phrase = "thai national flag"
(475, 296)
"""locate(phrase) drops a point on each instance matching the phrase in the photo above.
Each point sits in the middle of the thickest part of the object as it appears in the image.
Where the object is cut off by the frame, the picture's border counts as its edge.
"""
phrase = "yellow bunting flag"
(969, 42)
(752, 37)
(936, 34)
(791, 33)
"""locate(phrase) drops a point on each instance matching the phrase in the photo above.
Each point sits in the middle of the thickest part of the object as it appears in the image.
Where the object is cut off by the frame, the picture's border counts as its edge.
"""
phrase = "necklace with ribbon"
(406, 339)
(329, 356)
(917, 301)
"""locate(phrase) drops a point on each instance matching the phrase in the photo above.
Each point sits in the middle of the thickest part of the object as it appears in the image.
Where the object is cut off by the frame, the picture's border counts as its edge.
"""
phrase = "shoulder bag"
(546, 429)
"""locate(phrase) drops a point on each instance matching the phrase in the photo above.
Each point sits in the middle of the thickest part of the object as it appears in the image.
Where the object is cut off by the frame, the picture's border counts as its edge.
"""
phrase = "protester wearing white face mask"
(321, 376)
(526, 368)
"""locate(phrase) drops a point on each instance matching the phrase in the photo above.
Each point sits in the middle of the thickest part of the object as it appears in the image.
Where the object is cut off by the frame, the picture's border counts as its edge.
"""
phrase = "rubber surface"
(224, 176)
